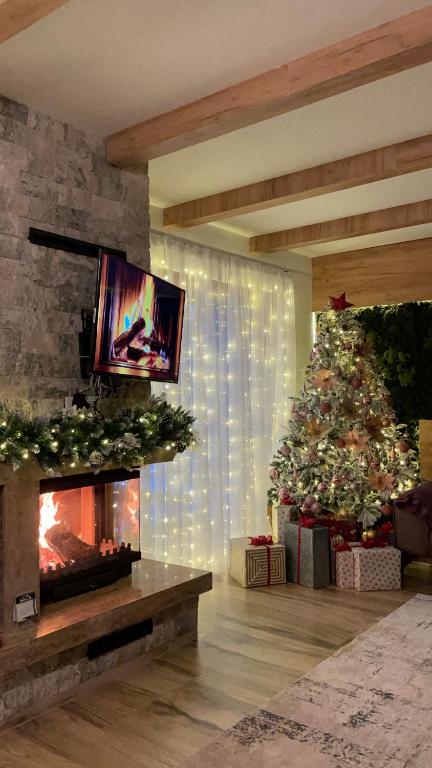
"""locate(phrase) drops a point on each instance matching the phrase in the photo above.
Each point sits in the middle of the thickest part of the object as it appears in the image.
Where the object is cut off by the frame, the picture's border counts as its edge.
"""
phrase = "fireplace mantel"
(19, 530)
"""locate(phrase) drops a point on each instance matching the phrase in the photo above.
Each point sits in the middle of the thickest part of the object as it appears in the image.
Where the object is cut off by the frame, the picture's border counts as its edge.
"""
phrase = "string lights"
(236, 375)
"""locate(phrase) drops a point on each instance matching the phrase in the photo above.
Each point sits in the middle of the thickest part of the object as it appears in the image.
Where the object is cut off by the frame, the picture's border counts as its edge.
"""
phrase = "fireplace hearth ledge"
(50, 661)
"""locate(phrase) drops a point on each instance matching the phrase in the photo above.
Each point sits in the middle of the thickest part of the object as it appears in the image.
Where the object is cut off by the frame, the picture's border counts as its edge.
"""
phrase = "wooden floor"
(252, 644)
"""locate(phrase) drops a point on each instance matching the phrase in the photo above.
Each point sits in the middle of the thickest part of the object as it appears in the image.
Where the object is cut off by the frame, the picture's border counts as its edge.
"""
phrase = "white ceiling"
(105, 64)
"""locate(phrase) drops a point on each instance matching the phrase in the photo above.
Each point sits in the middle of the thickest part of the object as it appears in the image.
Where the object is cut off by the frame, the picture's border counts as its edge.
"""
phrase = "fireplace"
(88, 532)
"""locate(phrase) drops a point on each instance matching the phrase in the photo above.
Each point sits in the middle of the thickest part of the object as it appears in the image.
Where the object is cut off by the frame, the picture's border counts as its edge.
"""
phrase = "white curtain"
(237, 372)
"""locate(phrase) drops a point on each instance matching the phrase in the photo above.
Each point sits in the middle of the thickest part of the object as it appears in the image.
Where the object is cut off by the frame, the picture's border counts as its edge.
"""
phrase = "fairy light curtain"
(237, 372)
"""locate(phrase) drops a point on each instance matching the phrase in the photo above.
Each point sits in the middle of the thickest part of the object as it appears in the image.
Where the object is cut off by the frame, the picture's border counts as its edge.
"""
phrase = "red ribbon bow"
(308, 522)
(375, 542)
(385, 528)
(342, 547)
(261, 541)
(267, 542)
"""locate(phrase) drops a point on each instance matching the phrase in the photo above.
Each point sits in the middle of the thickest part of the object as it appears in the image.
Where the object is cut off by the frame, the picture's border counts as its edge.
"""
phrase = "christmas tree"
(343, 452)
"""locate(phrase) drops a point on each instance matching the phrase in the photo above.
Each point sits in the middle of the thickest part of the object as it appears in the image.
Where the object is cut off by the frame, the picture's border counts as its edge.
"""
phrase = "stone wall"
(55, 177)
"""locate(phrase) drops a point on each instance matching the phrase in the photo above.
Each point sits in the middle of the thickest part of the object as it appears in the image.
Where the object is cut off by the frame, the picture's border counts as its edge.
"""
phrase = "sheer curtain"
(237, 372)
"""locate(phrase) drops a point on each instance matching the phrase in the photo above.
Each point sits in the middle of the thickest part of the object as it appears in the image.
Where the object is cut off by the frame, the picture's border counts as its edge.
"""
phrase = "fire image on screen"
(139, 322)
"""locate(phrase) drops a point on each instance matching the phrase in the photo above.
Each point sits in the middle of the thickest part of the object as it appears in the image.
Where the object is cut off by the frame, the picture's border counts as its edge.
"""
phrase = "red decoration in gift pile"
(385, 528)
(308, 522)
(345, 547)
(375, 541)
(345, 528)
(338, 303)
(380, 536)
(261, 541)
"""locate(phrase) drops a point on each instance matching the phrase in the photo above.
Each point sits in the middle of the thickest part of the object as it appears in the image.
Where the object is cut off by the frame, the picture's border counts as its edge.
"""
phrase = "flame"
(48, 509)
(135, 301)
(132, 502)
(148, 306)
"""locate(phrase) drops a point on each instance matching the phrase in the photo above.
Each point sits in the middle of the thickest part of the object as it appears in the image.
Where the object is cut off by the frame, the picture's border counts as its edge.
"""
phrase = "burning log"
(126, 337)
(67, 545)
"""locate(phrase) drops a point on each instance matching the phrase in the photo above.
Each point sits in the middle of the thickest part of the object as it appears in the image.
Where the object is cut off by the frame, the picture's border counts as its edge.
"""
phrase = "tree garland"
(85, 438)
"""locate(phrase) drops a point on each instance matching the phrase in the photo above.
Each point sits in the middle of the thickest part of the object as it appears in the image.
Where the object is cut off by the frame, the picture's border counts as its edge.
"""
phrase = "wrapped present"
(343, 560)
(377, 567)
(257, 561)
(307, 553)
(281, 515)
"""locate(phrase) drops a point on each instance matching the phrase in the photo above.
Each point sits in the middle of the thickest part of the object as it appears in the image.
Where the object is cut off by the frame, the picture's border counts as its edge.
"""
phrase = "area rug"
(367, 706)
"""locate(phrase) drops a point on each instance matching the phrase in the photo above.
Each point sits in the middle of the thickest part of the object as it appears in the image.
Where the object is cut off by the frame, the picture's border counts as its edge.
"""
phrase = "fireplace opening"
(88, 532)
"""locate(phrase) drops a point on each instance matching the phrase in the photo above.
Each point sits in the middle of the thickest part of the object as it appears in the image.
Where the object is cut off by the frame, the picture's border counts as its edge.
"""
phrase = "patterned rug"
(367, 706)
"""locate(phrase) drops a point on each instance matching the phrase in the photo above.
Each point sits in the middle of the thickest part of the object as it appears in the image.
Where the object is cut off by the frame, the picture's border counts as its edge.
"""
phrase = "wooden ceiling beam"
(16, 15)
(392, 47)
(383, 274)
(398, 217)
(374, 165)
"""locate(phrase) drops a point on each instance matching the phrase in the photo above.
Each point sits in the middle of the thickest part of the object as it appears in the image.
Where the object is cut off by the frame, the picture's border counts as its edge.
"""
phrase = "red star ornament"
(338, 303)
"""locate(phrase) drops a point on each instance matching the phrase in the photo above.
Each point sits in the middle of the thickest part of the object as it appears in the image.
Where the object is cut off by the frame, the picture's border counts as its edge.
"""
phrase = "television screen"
(139, 322)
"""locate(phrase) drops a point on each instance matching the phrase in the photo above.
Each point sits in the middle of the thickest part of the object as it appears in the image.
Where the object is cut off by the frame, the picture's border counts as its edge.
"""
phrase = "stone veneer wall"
(55, 177)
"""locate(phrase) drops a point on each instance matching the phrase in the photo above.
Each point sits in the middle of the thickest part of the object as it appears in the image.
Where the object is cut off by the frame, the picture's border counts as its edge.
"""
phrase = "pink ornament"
(309, 500)
(322, 487)
(274, 473)
(337, 480)
(316, 508)
(285, 450)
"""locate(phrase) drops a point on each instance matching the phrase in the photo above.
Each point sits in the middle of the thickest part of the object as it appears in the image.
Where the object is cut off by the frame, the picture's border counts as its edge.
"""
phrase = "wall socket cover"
(25, 606)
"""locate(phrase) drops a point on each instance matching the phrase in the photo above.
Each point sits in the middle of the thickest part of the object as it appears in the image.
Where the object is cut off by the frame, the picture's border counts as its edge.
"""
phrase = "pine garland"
(85, 438)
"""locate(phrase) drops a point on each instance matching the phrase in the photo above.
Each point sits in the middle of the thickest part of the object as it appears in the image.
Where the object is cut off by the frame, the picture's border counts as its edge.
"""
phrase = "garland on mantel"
(85, 438)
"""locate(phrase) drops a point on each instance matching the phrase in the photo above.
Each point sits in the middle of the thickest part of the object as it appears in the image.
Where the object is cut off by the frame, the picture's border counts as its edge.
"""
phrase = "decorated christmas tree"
(343, 452)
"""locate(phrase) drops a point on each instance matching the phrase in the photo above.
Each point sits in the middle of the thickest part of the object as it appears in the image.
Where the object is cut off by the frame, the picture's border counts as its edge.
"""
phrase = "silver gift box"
(313, 546)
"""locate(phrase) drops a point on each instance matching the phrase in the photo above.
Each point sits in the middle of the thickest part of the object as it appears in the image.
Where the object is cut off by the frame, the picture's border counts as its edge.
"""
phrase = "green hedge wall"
(402, 337)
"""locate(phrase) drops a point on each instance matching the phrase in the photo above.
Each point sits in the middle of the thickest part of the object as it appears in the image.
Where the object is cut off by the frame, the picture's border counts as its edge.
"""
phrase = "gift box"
(343, 561)
(377, 568)
(307, 553)
(281, 515)
(257, 566)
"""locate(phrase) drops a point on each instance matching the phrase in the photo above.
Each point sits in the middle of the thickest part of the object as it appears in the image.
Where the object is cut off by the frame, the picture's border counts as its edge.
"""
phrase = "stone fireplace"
(89, 532)
(73, 543)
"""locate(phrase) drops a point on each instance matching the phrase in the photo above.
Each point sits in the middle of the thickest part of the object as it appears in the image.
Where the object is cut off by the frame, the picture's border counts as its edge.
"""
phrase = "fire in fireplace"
(88, 531)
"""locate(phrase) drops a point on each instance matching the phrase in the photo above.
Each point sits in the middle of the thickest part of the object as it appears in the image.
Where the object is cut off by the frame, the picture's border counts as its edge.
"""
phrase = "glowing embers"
(81, 527)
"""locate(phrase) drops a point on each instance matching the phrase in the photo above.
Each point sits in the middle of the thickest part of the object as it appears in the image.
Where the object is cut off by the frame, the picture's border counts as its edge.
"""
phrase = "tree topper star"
(338, 303)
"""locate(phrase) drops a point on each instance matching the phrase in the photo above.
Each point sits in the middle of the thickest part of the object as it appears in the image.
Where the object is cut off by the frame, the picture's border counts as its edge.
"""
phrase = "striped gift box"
(254, 566)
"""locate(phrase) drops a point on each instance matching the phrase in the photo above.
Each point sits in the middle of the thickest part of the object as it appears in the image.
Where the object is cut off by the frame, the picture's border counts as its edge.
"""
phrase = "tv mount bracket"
(71, 244)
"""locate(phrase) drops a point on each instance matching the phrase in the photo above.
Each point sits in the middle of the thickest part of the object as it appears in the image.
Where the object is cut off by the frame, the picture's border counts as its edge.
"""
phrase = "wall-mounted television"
(138, 324)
